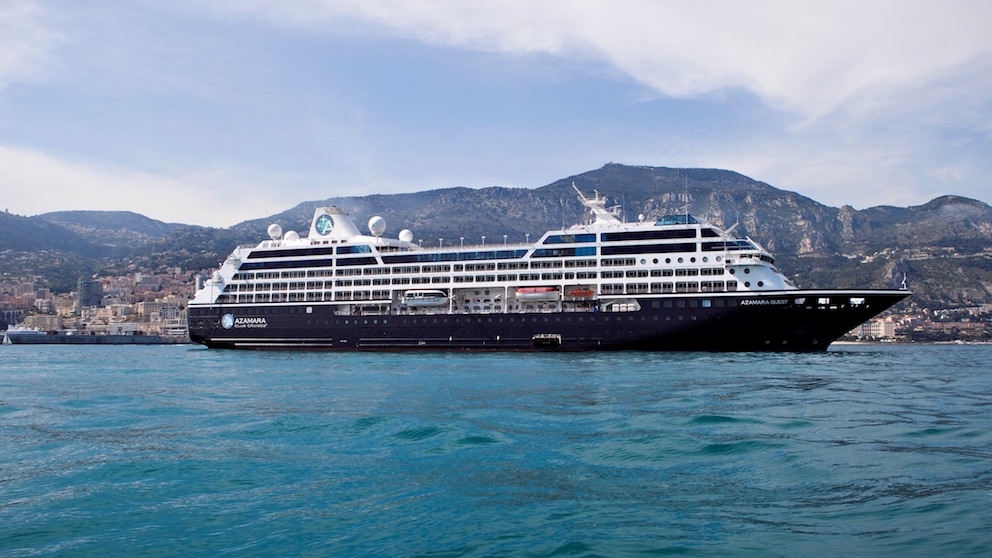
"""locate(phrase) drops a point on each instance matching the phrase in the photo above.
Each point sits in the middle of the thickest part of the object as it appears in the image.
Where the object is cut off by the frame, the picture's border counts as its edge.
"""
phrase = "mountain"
(65, 246)
(111, 228)
(943, 247)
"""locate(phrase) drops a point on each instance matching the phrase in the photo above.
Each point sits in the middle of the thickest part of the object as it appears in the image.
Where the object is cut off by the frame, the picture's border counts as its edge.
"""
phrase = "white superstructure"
(601, 265)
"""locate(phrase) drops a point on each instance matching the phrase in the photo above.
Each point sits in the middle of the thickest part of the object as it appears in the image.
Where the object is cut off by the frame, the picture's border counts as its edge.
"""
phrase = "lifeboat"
(426, 297)
(581, 293)
(537, 293)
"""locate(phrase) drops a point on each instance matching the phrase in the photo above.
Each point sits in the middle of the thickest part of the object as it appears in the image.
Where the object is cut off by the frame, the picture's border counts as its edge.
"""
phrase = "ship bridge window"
(569, 238)
(648, 235)
(676, 220)
(728, 245)
(709, 233)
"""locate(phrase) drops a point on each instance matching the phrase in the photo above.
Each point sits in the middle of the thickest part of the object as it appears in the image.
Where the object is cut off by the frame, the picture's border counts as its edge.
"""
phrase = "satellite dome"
(406, 235)
(292, 235)
(376, 225)
(275, 231)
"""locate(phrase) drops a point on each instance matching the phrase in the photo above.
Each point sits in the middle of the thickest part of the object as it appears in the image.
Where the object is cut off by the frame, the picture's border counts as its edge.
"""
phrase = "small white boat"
(537, 293)
(581, 292)
(424, 297)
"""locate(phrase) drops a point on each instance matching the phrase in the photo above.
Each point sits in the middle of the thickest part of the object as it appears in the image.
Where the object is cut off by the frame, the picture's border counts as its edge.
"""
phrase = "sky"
(214, 112)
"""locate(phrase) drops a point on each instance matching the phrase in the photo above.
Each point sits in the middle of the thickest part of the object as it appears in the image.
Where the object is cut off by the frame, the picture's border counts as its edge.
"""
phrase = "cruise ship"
(671, 284)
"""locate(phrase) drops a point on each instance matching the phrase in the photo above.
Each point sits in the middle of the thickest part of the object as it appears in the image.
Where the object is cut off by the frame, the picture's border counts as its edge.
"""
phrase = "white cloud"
(35, 183)
(796, 56)
(888, 98)
(26, 41)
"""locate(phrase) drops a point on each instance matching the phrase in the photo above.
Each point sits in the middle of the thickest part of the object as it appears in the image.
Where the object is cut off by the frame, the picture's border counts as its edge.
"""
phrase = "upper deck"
(335, 262)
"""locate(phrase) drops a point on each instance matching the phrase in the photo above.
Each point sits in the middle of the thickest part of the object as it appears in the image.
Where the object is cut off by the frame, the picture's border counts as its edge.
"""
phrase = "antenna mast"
(685, 180)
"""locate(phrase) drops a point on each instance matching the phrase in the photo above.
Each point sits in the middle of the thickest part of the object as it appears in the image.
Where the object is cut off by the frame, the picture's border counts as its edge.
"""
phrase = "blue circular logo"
(227, 321)
(324, 224)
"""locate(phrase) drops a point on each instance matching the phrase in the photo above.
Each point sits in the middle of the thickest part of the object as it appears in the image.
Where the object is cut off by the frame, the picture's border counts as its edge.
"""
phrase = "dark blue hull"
(783, 321)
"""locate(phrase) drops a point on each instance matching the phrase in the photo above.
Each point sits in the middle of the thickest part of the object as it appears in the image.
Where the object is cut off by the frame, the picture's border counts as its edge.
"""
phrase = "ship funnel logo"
(324, 224)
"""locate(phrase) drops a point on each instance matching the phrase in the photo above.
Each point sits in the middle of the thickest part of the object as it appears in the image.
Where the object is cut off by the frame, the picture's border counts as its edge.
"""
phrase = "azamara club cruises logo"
(228, 321)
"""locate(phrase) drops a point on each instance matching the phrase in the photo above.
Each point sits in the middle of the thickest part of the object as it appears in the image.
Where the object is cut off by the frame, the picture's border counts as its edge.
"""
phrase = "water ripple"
(859, 451)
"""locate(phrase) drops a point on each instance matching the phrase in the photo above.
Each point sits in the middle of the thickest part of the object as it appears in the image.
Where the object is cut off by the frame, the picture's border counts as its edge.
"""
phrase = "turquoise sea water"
(184, 451)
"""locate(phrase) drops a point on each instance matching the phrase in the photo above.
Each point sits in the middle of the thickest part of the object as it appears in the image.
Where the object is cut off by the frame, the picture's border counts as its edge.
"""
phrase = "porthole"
(681, 260)
(643, 261)
(761, 283)
(747, 283)
(668, 260)
(705, 259)
(747, 270)
(655, 260)
(733, 271)
(693, 259)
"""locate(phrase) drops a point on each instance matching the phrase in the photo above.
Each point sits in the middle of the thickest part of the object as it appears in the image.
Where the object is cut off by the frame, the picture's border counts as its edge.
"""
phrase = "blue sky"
(211, 113)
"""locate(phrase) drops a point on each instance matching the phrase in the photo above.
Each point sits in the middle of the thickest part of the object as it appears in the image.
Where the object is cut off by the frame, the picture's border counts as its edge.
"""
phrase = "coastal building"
(44, 305)
(877, 329)
(43, 322)
(9, 315)
(90, 294)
